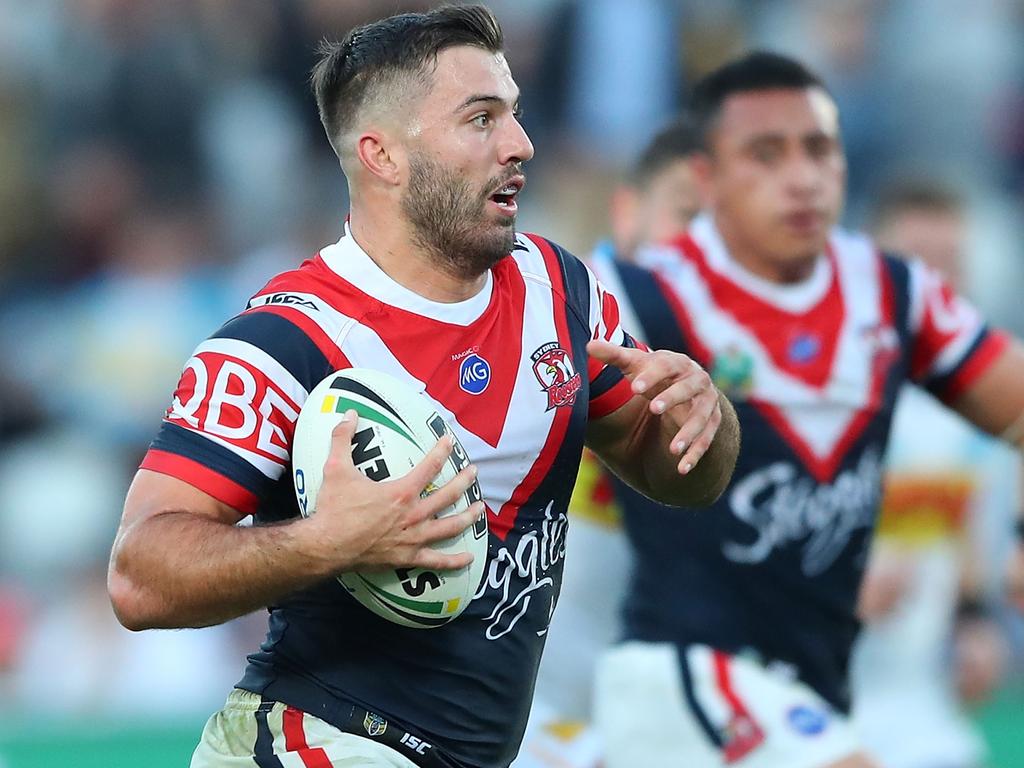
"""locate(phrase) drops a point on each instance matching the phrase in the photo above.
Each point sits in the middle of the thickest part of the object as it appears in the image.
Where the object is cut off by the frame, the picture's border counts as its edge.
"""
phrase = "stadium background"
(158, 161)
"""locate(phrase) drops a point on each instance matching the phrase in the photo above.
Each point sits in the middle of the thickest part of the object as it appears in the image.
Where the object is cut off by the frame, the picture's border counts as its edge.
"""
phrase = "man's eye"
(481, 120)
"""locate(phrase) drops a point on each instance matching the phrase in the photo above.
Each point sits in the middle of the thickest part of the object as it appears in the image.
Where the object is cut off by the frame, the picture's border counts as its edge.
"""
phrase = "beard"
(449, 218)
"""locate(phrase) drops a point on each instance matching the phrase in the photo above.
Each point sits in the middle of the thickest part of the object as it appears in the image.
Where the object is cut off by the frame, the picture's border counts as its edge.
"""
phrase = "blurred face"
(660, 211)
(466, 150)
(775, 177)
(936, 237)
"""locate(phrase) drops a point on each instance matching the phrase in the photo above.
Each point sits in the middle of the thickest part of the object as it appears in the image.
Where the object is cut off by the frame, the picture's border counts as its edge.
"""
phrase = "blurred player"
(428, 279)
(944, 480)
(739, 630)
(656, 203)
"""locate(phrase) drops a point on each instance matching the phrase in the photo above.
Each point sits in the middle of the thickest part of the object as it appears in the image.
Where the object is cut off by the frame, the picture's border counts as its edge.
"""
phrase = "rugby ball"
(396, 428)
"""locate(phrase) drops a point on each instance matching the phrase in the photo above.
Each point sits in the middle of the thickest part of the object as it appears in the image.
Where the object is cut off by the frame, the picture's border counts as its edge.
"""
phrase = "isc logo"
(474, 374)
(419, 746)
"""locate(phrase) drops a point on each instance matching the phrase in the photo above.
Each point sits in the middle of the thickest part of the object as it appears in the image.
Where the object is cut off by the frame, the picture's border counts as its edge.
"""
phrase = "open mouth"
(504, 198)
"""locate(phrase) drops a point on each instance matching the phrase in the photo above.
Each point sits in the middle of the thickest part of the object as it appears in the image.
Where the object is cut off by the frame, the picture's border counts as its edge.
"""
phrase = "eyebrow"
(485, 98)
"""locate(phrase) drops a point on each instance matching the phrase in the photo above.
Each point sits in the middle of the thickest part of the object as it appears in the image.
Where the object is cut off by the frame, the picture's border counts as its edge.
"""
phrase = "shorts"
(268, 734)
(554, 741)
(655, 705)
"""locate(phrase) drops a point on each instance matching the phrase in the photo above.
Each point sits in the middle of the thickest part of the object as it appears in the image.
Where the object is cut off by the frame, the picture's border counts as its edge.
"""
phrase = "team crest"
(553, 368)
(374, 724)
(733, 371)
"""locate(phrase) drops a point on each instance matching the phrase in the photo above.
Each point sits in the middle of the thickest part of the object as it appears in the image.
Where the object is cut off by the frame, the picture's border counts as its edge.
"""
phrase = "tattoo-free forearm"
(178, 569)
(707, 479)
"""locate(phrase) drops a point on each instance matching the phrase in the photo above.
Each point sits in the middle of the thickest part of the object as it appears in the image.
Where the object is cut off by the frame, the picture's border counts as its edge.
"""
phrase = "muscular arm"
(640, 441)
(179, 560)
(995, 403)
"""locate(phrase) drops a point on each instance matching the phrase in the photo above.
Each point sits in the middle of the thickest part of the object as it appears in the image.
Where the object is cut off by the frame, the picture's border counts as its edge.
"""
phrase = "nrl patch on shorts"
(374, 724)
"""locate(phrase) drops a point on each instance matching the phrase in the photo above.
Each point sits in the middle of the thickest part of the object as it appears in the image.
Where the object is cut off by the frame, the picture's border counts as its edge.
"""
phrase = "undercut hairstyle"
(757, 71)
(679, 140)
(917, 195)
(376, 61)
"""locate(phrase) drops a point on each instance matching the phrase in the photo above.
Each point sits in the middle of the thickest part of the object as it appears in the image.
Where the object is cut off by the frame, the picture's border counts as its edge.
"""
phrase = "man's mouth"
(504, 197)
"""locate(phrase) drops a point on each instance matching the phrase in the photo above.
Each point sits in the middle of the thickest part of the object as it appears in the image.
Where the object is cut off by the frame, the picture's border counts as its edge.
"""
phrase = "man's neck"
(755, 261)
(389, 243)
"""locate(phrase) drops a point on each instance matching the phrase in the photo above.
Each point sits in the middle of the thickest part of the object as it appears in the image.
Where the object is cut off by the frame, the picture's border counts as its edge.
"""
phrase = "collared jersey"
(509, 370)
(813, 370)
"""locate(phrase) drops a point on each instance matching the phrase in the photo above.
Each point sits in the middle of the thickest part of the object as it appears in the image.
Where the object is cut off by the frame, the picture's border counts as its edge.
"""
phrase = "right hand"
(362, 524)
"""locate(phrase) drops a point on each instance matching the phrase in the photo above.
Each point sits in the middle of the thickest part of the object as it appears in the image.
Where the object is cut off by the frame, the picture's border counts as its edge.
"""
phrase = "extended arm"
(995, 403)
(179, 560)
(677, 440)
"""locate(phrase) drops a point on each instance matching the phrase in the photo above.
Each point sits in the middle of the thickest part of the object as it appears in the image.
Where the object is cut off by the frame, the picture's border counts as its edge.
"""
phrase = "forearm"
(179, 569)
(706, 480)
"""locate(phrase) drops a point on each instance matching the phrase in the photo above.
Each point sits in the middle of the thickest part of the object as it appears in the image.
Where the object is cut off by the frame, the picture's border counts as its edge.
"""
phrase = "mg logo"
(474, 374)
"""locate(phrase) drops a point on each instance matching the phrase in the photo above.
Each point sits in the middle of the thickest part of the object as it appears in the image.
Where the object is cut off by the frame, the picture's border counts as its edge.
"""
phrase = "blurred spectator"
(918, 653)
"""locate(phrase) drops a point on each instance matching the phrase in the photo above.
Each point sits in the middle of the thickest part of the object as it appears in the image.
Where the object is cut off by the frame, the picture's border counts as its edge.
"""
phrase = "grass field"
(24, 745)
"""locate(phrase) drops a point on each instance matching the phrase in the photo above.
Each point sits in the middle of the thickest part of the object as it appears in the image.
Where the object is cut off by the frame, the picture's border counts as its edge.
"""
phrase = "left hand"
(679, 391)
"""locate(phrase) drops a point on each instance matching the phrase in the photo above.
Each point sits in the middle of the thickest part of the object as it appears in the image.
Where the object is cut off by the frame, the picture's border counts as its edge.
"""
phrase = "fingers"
(700, 444)
(429, 467)
(447, 528)
(339, 460)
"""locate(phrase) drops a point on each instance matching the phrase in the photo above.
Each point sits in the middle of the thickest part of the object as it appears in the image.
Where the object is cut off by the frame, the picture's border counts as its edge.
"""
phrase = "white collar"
(348, 260)
(792, 297)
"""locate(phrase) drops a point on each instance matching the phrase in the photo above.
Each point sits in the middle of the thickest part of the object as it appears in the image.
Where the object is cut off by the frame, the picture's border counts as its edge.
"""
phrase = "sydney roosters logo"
(553, 368)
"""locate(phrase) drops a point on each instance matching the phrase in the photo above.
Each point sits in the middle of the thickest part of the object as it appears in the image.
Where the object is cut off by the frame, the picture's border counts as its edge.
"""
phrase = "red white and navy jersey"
(813, 370)
(509, 370)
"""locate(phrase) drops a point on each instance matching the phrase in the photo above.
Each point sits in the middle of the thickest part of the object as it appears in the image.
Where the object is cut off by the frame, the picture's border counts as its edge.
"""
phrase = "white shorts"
(654, 707)
(554, 741)
(255, 734)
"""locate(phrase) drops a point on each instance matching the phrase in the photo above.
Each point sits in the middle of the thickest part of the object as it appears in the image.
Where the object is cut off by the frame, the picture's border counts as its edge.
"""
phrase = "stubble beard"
(449, 219)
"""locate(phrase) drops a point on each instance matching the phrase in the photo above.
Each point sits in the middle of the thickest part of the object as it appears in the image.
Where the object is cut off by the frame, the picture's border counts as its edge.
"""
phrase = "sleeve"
(228, 430)
(609, 389)
(951, 346)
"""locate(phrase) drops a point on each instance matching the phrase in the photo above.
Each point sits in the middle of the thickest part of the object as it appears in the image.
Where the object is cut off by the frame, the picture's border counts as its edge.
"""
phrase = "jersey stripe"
(173, 439)
(295, 740)
(691, 699)
(263, 750)
(202, 477)
(312, 331)
(556, 434)
(986, 349)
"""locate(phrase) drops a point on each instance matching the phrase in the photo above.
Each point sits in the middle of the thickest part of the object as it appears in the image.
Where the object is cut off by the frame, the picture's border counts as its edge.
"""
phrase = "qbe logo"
(474, 374)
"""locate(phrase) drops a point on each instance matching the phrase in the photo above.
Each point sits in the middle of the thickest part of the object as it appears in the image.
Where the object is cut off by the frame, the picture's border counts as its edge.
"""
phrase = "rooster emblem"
(554, 370)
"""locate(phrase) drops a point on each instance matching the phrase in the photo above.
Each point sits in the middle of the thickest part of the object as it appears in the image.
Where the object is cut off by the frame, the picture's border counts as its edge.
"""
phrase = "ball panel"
(396, 428)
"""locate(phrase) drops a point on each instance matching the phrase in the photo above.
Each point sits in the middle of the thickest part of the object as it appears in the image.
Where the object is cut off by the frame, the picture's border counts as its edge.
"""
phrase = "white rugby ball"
(396, 428)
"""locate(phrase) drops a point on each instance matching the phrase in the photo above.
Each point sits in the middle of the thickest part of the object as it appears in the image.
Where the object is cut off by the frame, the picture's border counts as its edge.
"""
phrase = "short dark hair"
(915, 194)
(756, 71)
(676, 141)
(373, 55)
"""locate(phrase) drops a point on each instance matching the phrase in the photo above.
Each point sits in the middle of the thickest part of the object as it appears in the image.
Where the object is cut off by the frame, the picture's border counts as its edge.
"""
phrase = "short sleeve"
(951, 346)
(229, 428)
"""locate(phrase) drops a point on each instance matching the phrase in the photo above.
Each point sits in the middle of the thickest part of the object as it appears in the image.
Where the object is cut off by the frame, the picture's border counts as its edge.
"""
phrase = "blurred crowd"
(159, 161)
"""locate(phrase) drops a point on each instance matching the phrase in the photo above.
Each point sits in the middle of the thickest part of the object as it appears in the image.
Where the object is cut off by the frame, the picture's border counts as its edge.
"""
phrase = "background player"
(428, 277)
(946, 487)
(740, 627)
(655, 203)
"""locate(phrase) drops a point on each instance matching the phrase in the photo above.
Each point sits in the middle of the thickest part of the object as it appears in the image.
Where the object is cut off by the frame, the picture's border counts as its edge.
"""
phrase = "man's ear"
(702, 164)
(381, 156)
